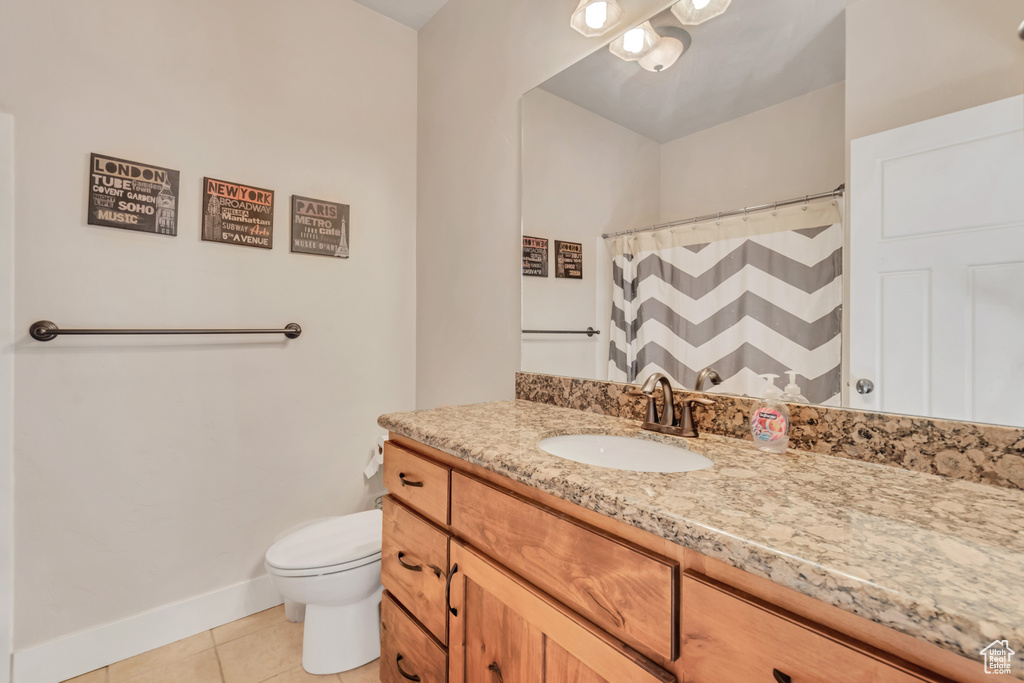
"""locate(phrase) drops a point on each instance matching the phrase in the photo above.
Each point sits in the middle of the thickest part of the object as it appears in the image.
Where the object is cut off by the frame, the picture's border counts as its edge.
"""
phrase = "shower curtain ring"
(745, 212)
(775, 209)
(807, 198)
(719, 221)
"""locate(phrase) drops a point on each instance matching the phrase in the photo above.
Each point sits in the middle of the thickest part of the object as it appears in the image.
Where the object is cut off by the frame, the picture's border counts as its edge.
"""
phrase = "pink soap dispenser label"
(768, 424)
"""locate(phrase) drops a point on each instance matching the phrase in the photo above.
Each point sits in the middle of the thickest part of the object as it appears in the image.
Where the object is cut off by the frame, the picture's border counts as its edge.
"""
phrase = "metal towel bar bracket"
(44, 330)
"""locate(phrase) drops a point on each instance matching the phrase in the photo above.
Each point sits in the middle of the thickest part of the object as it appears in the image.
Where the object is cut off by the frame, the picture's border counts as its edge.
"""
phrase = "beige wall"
(913, 60)
(788, 150)
(476, 59)
(153, 470)
(6, 391)
(582, 176)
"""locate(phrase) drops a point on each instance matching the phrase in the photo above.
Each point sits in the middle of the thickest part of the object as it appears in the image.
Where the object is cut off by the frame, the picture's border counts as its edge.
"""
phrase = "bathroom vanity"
(502, 563)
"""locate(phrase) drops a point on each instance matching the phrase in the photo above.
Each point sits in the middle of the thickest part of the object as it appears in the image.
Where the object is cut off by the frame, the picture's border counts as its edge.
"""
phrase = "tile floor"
(264, 647)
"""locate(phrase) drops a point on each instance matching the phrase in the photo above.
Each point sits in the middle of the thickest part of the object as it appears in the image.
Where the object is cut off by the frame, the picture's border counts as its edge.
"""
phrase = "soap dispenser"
(769, 423)
(791, 394)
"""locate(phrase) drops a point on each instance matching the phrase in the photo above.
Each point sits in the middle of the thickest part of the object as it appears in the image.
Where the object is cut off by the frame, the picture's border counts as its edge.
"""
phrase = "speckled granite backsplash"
(987, 454)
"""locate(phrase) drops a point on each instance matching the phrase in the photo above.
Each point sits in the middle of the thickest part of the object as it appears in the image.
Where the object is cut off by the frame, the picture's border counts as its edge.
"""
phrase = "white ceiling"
(758, 54)
(412, 13)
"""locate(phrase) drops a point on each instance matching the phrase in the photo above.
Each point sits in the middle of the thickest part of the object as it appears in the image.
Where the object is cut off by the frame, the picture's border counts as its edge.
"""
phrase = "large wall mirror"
(828, 188)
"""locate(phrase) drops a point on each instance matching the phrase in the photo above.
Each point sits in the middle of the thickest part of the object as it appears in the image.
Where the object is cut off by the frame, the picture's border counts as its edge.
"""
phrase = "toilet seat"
(322, 571)
(334, 545)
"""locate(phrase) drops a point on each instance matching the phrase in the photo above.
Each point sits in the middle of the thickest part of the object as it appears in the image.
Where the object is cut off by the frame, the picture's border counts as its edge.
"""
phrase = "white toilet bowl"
(333, 568)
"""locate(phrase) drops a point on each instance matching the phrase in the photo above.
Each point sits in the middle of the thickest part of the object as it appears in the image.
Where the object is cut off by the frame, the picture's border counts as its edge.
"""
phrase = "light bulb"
(696, 12)
(633, 41)
(597, 14)
(595, 17)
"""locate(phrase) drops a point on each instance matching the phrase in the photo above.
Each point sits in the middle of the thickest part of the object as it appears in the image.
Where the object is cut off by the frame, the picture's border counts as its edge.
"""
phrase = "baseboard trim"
(97, 647)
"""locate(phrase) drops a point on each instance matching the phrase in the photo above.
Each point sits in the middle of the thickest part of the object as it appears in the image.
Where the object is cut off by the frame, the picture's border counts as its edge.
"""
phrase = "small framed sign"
(569, 260)
(535, 256)
(238, 214)
(319, 227)
(132, 195)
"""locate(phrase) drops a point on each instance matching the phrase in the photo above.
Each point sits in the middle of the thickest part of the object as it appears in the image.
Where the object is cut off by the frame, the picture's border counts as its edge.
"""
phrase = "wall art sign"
(238, 214)
(319, 227)
(569, 260)
(132, 195)
(535, 256)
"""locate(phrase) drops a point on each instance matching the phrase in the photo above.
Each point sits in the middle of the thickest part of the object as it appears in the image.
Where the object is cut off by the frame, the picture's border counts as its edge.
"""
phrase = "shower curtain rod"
(838, 192)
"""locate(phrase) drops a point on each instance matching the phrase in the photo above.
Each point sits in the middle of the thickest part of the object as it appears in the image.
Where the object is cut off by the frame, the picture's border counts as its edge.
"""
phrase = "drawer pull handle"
(409, 482)
(418, 568)
(398, 663)
(495, 669)
(410, 567)
(448, 590)
(781, 677)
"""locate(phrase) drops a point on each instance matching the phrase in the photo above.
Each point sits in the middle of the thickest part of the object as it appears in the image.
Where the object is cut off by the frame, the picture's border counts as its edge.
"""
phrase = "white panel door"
(937, 266)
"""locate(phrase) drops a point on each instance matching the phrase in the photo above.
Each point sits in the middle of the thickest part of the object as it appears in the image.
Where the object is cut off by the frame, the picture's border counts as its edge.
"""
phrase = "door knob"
(865, 386)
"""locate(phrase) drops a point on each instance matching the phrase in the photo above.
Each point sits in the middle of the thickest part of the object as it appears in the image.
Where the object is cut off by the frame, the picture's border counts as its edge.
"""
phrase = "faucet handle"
(652, 410)
(687, 427)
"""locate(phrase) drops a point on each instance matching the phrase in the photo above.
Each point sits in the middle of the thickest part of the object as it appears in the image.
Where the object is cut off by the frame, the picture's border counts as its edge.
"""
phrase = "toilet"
(333, 568)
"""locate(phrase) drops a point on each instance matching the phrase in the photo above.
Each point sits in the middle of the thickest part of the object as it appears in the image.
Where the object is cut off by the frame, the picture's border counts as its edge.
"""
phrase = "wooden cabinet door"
(501, 646)
(559, 665)
(504, 630)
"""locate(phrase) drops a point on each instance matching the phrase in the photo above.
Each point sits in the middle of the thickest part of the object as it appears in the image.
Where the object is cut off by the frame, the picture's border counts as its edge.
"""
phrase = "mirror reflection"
(835, 205)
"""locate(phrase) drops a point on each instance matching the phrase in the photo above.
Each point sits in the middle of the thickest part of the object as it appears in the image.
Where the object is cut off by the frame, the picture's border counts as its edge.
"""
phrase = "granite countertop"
(936, 558)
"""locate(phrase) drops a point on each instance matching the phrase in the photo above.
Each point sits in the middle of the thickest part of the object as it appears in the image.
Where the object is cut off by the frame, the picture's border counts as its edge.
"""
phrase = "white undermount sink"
(624, 453)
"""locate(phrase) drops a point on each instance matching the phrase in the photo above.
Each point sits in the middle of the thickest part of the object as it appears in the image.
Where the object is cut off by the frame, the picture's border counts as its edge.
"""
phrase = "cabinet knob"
(407, 676)
(865, 386)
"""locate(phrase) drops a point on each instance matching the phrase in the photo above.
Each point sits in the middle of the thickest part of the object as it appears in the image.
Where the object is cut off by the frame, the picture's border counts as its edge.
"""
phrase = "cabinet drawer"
(414, 566)
(729, 635)
(421, 483)
(405, 647)
(626, 590)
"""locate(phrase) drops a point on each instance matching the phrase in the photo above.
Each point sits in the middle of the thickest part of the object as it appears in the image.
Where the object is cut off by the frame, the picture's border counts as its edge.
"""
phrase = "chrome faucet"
(707, 374)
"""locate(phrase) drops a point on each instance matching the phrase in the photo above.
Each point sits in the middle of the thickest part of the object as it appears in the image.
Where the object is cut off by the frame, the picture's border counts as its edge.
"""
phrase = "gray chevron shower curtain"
(748, 295)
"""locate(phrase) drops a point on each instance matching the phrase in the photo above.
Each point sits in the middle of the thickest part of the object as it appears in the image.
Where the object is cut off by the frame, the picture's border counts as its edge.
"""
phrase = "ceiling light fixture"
(663, 56)
(635, 43)
(596, 17)
(693, 12)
